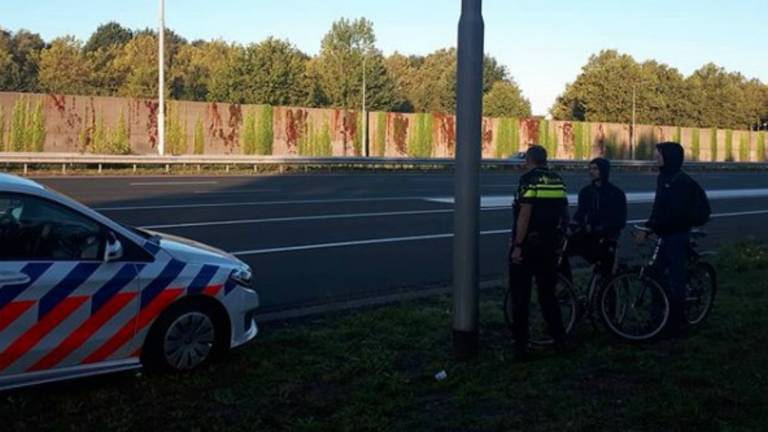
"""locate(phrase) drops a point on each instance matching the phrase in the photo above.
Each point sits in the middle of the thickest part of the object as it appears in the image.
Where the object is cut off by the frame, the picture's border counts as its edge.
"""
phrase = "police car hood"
(190, 251)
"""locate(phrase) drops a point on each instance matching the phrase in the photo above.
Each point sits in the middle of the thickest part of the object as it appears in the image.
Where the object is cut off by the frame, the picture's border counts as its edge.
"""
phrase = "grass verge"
(374, 370)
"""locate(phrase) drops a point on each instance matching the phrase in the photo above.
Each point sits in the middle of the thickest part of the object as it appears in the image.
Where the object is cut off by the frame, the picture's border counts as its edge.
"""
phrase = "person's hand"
(517, 256)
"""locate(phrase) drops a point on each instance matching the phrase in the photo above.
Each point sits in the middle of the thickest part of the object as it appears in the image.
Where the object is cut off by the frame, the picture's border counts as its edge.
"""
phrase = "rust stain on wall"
(568, 137)
(487, 135)
(295, 128)
(349, 131)
(447, 128)
(400, 132)
(599, 148)
(152, 106)
(530, 131)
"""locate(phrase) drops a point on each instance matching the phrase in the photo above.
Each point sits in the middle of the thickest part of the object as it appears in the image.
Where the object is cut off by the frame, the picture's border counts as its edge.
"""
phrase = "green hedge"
(27, 126)
(744, 146)
(695, 144)
(380, 142)
(199, 137)
(508, 138)
(582, 140)
(420, 140)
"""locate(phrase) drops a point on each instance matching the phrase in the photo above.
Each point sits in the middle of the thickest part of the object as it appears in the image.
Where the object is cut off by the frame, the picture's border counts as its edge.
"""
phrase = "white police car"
(82, 295)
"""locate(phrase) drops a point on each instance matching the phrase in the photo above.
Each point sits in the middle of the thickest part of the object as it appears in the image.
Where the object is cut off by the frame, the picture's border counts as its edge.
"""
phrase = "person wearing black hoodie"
(670, 219)
(599, 219)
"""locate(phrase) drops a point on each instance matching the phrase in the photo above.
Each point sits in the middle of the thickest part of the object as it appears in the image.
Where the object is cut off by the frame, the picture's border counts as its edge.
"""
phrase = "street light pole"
(365, 112)
(469, 113)
(634, 133)
(161, 83)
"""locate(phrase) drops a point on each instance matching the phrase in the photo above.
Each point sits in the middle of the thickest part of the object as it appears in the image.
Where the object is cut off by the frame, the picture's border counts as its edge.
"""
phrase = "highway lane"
(318, 238)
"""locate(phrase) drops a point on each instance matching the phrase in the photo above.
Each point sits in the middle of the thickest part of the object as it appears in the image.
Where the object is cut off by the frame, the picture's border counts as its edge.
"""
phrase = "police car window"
(35, 229)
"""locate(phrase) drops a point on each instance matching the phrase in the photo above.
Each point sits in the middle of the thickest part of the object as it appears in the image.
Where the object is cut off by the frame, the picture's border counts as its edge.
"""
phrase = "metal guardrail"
(24, 160)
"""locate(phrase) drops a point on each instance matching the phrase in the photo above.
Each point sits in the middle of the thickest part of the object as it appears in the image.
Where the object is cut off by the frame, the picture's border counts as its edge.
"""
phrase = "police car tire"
(153, 359)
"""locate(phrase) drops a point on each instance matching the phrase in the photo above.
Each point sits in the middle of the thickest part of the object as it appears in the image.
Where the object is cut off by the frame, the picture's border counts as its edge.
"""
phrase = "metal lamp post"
(469, 112)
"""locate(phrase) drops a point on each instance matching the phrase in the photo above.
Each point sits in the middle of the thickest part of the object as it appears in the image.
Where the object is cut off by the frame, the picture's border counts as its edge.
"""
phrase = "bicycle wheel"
(538, 334)
(701, 290)
(634, 308)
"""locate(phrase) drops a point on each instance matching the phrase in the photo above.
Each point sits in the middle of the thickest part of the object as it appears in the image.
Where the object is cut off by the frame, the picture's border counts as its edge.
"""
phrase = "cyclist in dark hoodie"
(601, 215)
(670, 219)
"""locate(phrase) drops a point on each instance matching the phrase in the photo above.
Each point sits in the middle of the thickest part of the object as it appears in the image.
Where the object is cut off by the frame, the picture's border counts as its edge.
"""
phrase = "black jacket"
(675, 193)
(602, 208)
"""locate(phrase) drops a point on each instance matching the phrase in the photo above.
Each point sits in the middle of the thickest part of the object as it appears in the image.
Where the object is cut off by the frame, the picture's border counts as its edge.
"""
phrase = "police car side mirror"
(114, 249)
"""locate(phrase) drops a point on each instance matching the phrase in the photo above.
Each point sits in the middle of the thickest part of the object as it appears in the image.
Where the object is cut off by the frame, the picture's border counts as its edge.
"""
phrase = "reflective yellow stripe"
(551, 194)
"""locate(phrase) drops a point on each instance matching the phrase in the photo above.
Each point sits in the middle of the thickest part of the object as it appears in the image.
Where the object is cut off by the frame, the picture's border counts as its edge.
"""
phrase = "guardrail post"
(227, 168)
(255, 168)
(134, 168)
(167, 168)
(199, 168)
(25, 169)
(63, 168)
(99, 168)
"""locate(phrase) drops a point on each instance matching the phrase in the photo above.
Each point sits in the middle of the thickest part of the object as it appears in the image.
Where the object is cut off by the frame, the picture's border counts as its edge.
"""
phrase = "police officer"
(540, 216)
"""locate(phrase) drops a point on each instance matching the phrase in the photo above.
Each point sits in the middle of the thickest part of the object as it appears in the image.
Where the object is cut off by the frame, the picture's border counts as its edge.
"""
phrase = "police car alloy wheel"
(189, 340)
(185, 337)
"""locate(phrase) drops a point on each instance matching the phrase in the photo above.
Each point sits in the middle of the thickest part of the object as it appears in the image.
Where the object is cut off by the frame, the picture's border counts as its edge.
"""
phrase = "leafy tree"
(347, 47)
(138, 61)
(107, 36)
(19, 55)
(198, 71)
(271, 72)
(505, 99)
(64, 69)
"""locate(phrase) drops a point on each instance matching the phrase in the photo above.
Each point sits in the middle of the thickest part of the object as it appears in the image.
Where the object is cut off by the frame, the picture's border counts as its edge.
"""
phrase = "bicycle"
(634, 304)
(576, 301)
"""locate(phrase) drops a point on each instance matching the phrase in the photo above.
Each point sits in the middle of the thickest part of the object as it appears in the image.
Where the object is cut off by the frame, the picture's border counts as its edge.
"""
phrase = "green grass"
(374, 370)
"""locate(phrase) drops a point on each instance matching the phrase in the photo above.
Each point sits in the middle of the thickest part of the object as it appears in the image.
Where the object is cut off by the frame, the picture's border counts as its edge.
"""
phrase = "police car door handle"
(13, 278)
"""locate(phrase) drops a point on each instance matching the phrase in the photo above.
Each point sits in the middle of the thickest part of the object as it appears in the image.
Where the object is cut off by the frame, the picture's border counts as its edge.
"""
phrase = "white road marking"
(355, 243)
(233, 192)
(486, 201)
(427, 237)
(256, 203)
(174, 183)
(632, 197)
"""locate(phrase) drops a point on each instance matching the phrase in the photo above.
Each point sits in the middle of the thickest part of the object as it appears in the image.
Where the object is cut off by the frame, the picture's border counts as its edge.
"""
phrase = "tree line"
(116, 61)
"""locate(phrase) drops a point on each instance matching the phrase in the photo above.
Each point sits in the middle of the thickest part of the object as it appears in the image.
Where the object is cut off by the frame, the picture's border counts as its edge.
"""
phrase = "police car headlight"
(242, 276)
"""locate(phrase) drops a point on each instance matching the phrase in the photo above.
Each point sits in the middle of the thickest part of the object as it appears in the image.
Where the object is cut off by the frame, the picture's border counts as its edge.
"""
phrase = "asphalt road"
(320, 238)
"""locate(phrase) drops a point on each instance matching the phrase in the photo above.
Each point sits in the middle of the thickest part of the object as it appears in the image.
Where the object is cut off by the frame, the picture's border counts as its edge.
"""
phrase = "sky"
(543, 43)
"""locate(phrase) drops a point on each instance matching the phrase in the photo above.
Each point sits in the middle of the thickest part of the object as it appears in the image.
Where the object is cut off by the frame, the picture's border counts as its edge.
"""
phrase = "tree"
(199, 68)
(505, 99)
(9, 70)
(64, 69)
(271, 72)
(19, 60)
(402, 71)
(719, 99)
(107, 36)
(138, 61)
(603, 90)
(339, 66)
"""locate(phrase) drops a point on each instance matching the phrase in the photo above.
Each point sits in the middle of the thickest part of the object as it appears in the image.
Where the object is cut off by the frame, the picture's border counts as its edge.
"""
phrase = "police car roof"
(12, 180)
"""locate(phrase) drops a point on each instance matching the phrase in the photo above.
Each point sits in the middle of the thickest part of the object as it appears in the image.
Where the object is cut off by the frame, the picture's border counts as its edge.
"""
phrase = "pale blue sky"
(543, 43)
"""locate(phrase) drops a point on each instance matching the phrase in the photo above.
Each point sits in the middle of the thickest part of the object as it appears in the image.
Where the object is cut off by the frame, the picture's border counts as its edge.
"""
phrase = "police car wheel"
(183, 338)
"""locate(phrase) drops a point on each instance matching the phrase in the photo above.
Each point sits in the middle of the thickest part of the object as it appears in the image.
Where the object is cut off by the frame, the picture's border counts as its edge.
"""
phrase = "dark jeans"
(673, 263)
(540, 263)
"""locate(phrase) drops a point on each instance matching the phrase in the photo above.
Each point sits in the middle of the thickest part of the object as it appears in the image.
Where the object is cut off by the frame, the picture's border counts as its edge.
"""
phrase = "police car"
(82, 295)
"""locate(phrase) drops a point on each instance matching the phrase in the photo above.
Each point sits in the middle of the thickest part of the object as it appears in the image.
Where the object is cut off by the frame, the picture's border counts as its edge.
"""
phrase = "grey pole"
(365, 112)
(469, 117)
(634, 132)
(161, 82)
